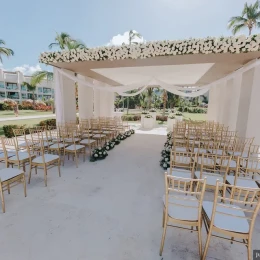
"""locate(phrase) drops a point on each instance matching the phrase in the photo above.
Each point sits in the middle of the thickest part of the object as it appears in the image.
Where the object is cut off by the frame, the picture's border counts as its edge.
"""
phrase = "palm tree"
(164, 99)
(5, 51)
(149, 94)
(39, 76)
(30, 87)
(132, 36)
(65, 41)
(249, 18)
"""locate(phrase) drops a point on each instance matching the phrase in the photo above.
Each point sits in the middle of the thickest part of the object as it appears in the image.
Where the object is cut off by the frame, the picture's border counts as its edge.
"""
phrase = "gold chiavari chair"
(182, 164)
(74, 147)
(44, 161)
(13, 156)
(254, 151)
(231, 215)
(247, 173)
(22, 139)
(10, 177)
(213, 167)
(88, 142)
(183, 205)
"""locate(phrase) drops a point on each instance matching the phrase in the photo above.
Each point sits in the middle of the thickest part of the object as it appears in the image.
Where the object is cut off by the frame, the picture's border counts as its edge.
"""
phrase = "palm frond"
(39, 76)
(29, 86)
(5, 51)
(53, 44)
(237, 28)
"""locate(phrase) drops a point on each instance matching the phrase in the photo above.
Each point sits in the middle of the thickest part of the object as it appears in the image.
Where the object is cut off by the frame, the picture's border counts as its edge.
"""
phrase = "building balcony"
(11, 77)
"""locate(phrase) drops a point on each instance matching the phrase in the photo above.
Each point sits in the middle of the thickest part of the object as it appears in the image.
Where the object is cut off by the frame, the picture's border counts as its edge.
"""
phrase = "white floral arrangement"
(148, 116)
(240, 44)
(171, 117)
(145, 113)
(152, 110)
(109, 145)
(98, 154)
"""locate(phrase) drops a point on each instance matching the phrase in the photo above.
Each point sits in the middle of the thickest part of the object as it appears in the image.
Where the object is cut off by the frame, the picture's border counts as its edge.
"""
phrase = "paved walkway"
(25, 117)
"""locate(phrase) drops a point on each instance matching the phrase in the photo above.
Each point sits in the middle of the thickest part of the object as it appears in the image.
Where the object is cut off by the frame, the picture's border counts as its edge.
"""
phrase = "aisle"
(109, 209)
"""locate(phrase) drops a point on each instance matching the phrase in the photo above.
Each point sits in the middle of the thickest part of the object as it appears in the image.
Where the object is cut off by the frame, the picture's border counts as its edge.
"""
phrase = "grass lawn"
(28, 122)
(7, 113)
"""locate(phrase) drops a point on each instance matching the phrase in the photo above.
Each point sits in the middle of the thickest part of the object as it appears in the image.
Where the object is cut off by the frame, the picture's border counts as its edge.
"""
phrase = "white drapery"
(142, 86)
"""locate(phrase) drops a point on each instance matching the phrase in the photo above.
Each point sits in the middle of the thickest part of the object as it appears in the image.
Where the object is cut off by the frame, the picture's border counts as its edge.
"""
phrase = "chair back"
(231, 200)
(183, 160)
(189, 191)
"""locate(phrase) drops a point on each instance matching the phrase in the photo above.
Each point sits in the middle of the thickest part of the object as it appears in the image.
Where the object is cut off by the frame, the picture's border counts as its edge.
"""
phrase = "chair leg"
(8, 188)
(249, 249)
(24, 169)
(76, 159)
(30, 173)
(207, 244)
(84, 158)
(2, 198)
(163, 217)
(24, 186)
(200, 241)
(163, 236)
(59, 167)
(45, 175)
(35, 169)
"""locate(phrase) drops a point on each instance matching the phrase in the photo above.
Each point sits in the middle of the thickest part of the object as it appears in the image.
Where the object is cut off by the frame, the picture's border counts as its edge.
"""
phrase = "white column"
(253, 122)
(110, 104)
(96, 103)
(213, 104)
(103, 98)
(85, 100)
(65, 100)
(244, 101)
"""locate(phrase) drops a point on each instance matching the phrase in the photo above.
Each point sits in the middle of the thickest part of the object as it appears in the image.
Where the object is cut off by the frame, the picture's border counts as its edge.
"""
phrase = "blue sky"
(29, 26)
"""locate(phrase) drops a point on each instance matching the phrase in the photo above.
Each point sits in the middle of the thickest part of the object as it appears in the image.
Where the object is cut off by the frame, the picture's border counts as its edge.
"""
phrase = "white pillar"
(244, 101)
(85, 100)
(65, 100)
(213, 104)
(96, 103)
(253, 122)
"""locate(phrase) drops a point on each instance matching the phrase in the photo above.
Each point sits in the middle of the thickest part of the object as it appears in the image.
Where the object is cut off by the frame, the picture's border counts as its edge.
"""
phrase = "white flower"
(100, 153)
(95, 155)
(107, 147)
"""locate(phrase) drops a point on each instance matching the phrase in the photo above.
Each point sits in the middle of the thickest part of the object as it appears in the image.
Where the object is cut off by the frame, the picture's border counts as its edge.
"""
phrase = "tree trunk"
(250, 30)
(127, 105)
(33, 98)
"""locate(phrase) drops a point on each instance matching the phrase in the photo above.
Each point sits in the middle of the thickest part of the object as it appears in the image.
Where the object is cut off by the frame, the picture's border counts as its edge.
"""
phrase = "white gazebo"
(226, 67)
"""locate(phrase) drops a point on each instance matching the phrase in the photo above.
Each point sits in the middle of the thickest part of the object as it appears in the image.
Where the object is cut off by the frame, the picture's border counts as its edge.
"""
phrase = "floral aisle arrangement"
(166, 152)
(98, 154)
(101, 152)
(240, 44)
(109, 145)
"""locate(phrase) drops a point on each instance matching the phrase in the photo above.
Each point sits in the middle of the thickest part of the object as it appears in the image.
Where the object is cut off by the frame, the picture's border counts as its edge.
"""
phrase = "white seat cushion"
(232, 164)
(181, 212)
(87, 141)
(47, 158)
(216, 151)
(98, 136)
(200, 150)
(207, 160)
(236, 153)
(180, 173)
(74, 147)
(180, 149)
(211, 178)
(9, 173)
(58, 145)
(44, 144)
(24, 144)
(242, 182)
(227, 222)
(107, 132)
(70, 140)
(21, 156)
(9, 154)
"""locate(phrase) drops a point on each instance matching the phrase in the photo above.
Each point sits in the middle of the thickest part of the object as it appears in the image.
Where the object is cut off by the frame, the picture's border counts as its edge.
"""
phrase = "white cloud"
(123, 38)
(27, 69)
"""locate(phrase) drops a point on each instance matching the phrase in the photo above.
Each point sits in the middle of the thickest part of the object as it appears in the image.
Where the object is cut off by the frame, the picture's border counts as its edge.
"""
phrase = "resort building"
(11, 87)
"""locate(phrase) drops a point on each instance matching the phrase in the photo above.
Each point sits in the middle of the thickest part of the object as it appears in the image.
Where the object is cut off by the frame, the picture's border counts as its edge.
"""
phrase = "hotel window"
(40, 90)
(23, 88)
(11, 86)
(24, 96)
(2, 94)
(2, 84)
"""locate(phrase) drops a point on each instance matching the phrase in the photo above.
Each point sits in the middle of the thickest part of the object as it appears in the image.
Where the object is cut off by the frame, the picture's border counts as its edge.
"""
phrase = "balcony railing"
(12, 87)
(13, 96)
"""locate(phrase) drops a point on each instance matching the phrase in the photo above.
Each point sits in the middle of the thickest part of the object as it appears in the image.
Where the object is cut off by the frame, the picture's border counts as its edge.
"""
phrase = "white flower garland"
(208, 45)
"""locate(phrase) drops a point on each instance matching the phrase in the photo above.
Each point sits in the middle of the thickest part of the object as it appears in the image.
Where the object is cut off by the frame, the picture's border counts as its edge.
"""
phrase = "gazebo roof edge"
(240, 44)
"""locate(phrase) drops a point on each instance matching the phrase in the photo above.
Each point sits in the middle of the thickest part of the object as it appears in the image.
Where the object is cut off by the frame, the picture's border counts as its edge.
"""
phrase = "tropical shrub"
(48, 122)
(8, 130)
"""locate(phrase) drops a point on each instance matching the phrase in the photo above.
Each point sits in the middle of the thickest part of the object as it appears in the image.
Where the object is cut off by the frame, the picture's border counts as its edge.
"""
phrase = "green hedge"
(8, 130)
(197, 110)
(48, 122)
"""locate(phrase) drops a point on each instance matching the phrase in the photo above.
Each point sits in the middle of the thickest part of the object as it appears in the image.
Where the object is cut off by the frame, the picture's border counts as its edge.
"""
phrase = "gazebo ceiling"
(189, 62)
